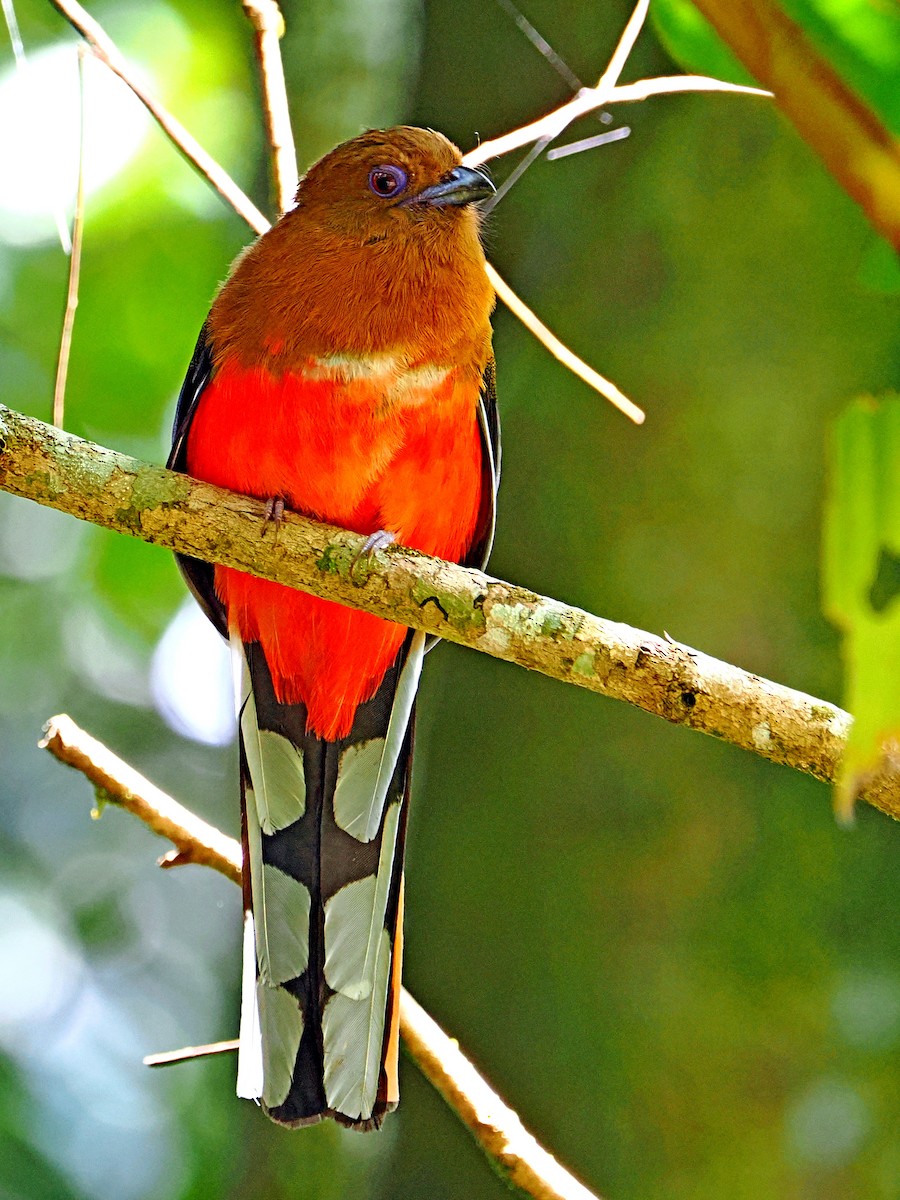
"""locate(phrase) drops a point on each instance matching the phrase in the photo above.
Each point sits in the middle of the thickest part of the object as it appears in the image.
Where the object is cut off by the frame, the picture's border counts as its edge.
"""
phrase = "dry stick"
(65, 341)
(561, 351)
(495, 1126)
(553, 123)
(630, 34)
(861, 154)
(609, 78)
(193, 839)
(268, 24)
(106, 50)
(607, 91)
(171, 1058)
(654, 673)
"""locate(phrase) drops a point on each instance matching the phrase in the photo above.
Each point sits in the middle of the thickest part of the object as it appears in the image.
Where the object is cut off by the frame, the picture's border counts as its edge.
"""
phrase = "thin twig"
(560, 351)
(65, 341)
(589, 143)
(107, 51)
(620, 55)
(654, 673)
(170, 1058)
(194, 840)
(556, 61)
(495, 1126)
(268, 24)
(553, 123)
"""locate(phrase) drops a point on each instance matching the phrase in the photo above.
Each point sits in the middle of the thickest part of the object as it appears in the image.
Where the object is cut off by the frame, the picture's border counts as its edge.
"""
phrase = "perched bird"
(345, 371)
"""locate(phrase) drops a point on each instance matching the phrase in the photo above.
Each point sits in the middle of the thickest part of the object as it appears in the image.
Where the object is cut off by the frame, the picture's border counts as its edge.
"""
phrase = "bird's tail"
(324, 826)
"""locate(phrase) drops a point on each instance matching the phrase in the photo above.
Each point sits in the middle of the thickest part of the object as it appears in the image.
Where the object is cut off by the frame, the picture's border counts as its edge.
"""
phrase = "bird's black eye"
(388, 181)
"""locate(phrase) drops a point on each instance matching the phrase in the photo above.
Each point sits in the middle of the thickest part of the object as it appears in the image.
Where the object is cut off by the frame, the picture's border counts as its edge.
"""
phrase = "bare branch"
(195, 841)
(171, 1058)
(561, 351)
(630, 34)
(859, 151)
(607, 91)
(65, 341)
(656, 674)
(553, 123)
(107, 51)
(268, 24)
(495, 1126)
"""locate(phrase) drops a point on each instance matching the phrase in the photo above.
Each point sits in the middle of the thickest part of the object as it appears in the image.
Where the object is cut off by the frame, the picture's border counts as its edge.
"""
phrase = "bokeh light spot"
(191, 679)
(827, 1124)
(39, 136)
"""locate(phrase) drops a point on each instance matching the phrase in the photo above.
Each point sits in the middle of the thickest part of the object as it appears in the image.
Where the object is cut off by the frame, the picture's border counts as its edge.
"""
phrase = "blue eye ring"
(387, 181)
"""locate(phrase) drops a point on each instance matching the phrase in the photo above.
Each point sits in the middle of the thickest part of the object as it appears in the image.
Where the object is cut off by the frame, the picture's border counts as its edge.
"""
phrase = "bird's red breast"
(323, 437)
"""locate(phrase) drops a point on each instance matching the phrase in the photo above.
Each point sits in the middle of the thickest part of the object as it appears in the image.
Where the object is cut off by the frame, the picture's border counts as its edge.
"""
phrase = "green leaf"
(879, 268)
(861, 580)
(861, 40)
(693, 43)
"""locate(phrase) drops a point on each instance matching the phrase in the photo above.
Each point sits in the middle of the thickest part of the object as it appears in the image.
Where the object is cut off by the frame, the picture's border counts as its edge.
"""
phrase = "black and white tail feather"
(324, 831)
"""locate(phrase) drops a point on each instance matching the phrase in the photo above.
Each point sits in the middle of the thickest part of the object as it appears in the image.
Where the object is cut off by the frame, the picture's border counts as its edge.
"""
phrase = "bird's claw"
(274, 513)
(379, 540)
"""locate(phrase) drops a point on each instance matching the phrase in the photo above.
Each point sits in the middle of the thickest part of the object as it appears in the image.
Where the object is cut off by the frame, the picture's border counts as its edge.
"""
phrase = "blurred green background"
(662, 951)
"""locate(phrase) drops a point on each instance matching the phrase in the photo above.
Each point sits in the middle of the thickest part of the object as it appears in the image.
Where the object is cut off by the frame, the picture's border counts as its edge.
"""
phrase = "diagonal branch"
(494, 1125)
(109, 53)
(656, 674)
(117, 782)
(589, 99)
(859, 151)
(268, 26)
(561, 351)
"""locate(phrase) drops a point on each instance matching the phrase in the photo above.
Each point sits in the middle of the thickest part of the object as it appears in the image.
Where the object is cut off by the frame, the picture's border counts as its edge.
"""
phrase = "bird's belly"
(344, 453)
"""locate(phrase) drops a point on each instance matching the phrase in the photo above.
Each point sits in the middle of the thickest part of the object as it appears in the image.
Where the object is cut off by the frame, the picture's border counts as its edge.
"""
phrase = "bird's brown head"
(392, 183)
(381, 251)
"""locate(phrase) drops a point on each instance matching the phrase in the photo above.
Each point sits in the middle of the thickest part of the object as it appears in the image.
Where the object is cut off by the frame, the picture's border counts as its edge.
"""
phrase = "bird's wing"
(489, 424)
(199, 575)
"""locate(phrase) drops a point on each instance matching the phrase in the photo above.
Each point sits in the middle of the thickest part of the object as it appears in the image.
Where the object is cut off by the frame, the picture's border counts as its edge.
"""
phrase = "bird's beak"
(462, 185)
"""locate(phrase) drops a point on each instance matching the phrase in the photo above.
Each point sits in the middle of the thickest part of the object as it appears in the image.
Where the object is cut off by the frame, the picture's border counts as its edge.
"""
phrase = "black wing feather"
(489, 423)
(198, 575)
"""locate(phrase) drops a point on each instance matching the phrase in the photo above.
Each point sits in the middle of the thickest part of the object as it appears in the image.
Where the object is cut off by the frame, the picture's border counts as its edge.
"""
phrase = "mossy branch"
(654, 673)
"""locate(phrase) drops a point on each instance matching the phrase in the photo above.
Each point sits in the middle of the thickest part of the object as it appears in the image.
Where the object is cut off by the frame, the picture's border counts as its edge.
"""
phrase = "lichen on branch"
(461, 605)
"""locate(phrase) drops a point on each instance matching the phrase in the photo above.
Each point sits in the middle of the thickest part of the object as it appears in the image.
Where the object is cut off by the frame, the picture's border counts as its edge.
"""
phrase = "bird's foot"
(274, 513)
(379, 540)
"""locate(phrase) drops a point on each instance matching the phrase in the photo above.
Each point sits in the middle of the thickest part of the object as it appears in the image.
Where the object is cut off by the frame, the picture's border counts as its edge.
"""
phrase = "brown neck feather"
(306, 289)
